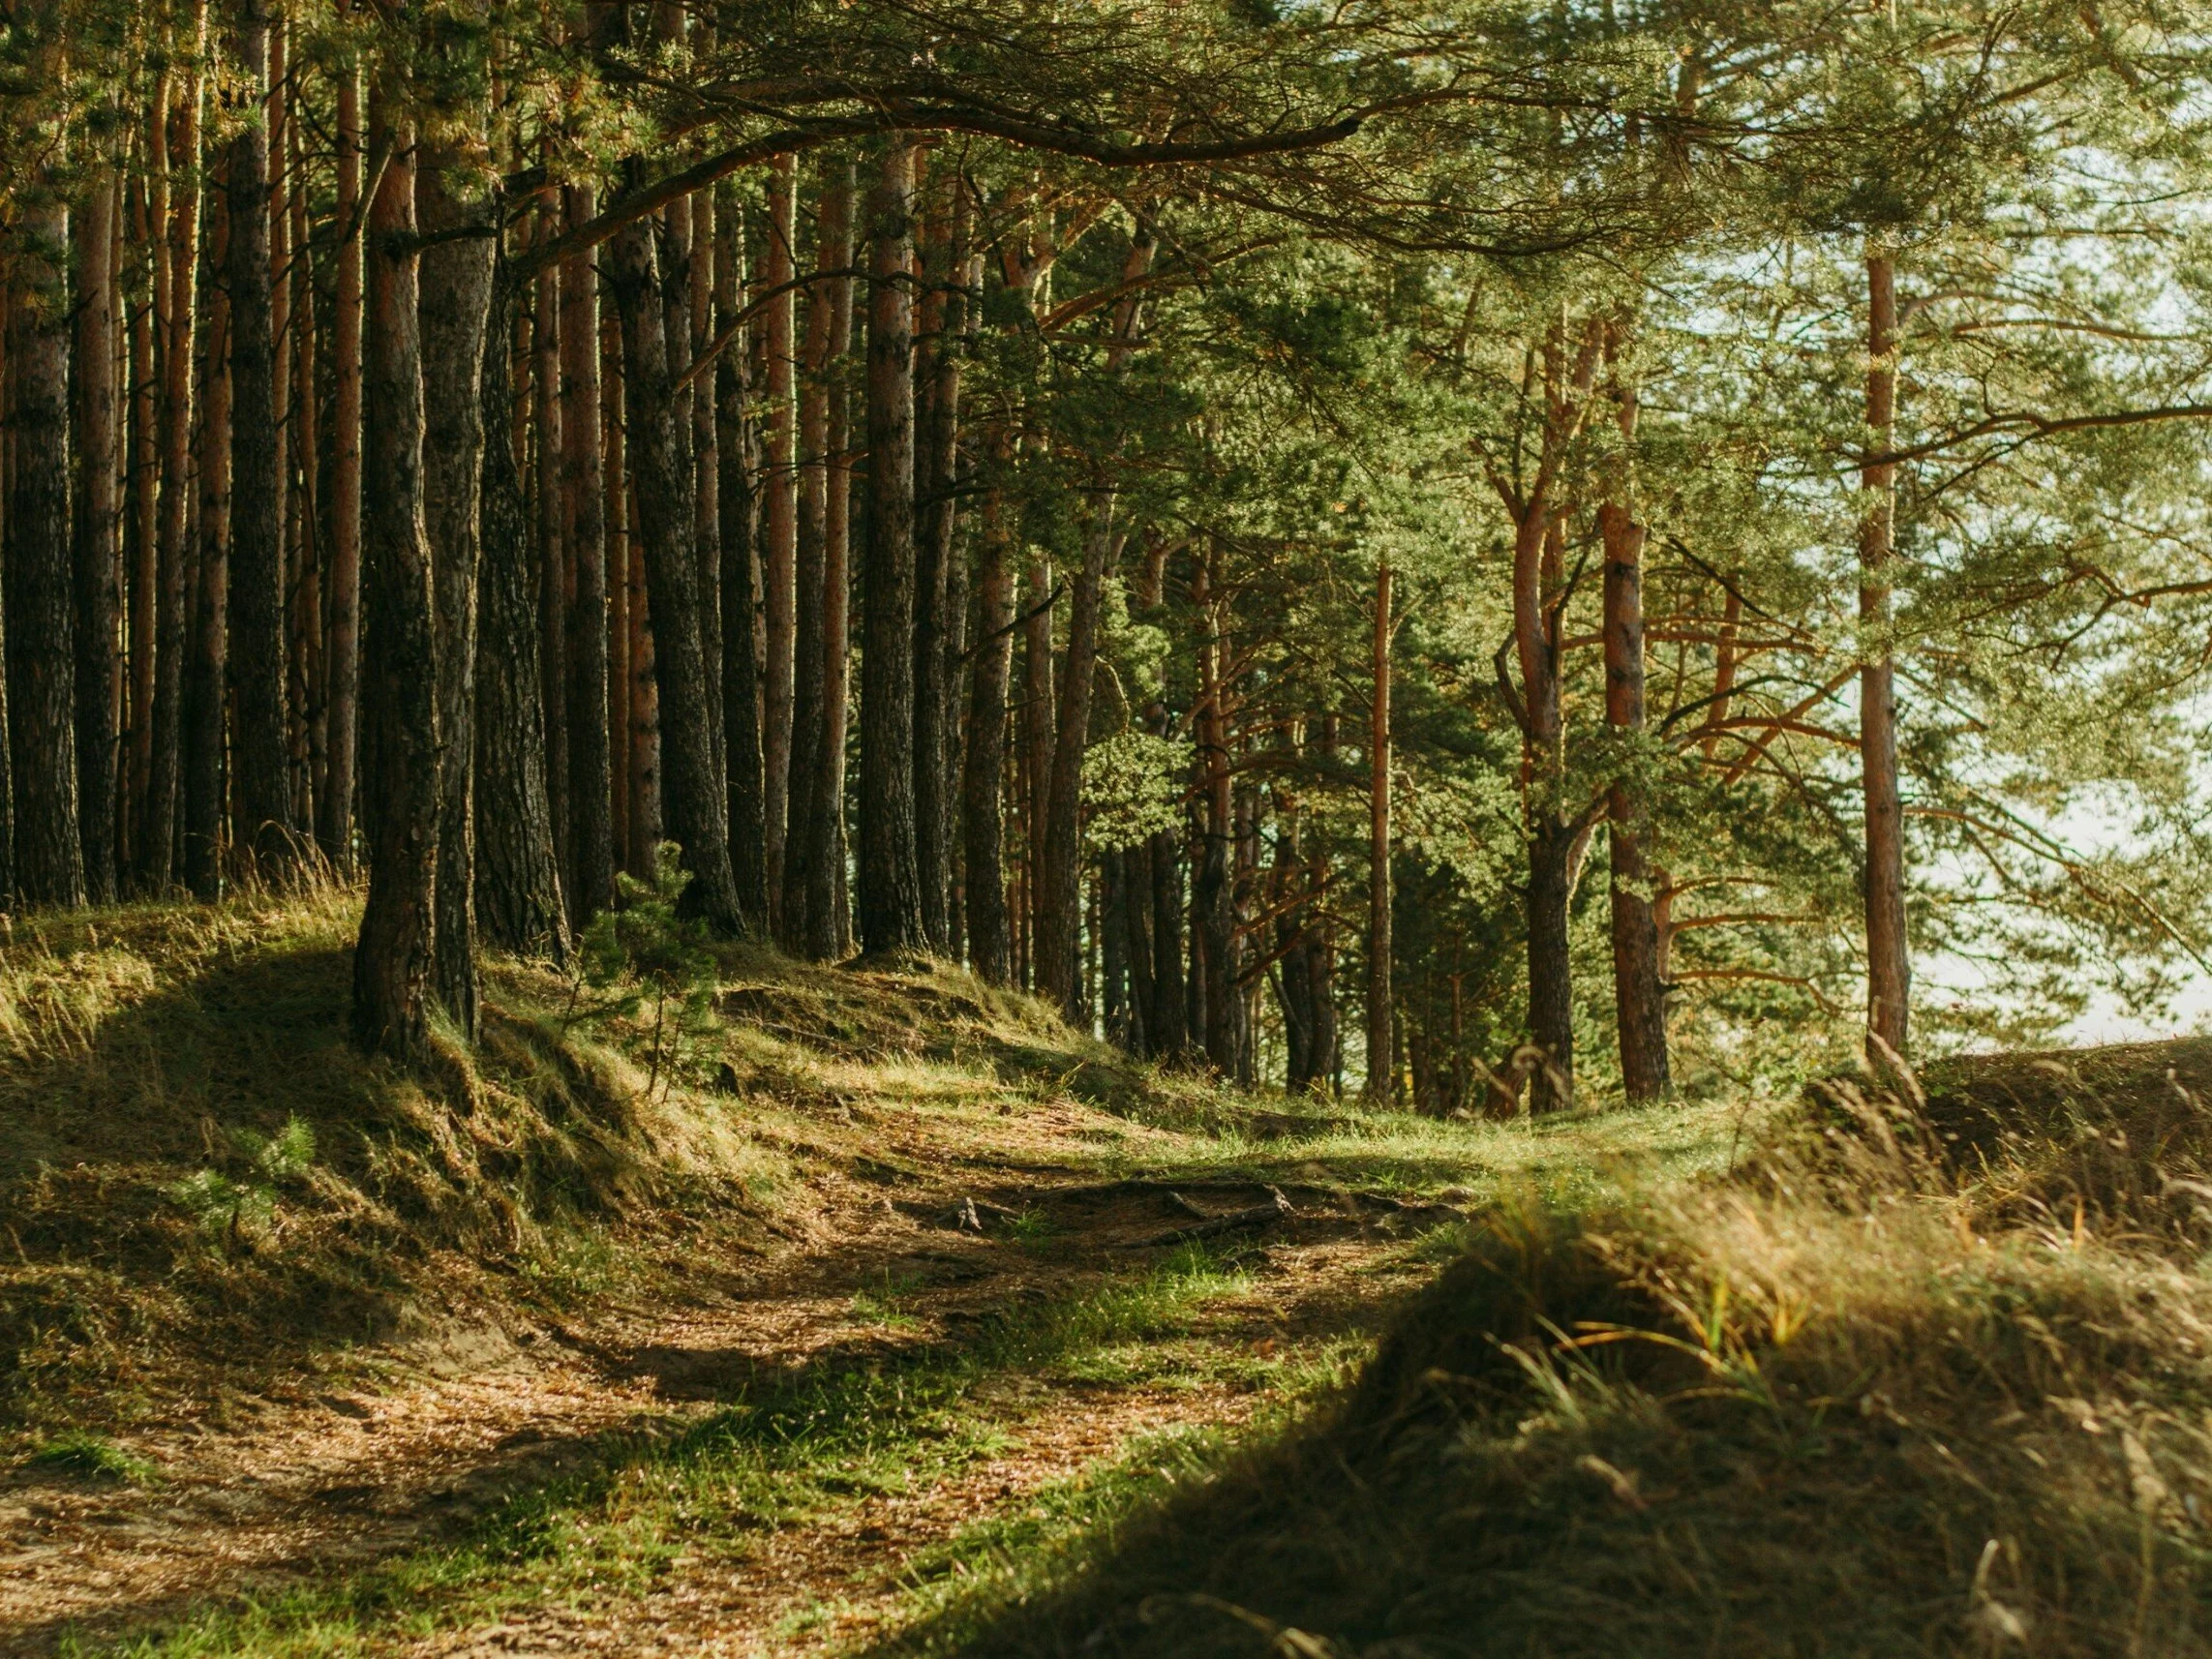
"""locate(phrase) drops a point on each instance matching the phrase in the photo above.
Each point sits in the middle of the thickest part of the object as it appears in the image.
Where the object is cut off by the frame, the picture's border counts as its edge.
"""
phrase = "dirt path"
(317, 1483)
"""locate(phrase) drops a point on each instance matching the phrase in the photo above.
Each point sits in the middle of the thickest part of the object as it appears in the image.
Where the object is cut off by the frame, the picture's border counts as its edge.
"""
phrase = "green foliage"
(646, 954)
(91, 1456)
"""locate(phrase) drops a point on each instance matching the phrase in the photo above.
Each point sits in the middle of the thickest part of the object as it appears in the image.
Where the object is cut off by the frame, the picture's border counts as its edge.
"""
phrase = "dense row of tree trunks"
(696, 796)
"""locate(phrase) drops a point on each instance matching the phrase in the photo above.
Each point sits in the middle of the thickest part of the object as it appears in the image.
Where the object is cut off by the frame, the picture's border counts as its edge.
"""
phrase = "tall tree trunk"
(779, 521)
(208, 673)
(261, 757)
(706, 484)
(890, 881)
(392, 962)
(310, 731)
(1040, 707)
(741, 666)
(1059, 913)
(42, 668)
(1382, 1072)
(829, 920)
(990, 943)
(809, 841)
(518, 882)
(99, 600)
(1889, 966)
(181, 209)
(621, 688)
(1638, 997)
(454, 279)
(1171, 1022)
(557, 573)
(149, 206)
(342, 667)
(1214, 895)
(939, 330)
(583, 528)
(696, 797)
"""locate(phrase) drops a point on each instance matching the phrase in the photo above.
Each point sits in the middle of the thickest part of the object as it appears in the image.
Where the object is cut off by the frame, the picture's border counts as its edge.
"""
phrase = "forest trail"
(306, 1484)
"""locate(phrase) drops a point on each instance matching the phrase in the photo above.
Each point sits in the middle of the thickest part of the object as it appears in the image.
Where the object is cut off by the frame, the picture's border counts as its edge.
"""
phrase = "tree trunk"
(1639, 999)
(144, 539)
(98, 666)
(557, 575)
(990, 943)
(1214, 897)
(780, 523)
(829, 920)
(810, 839)
(518, 882)
(696, 796)
(1382, 1089)
(392, 962)
(1170, 1024)
(209, 669)
(1551, 981)
(454, 280)
(584, 528)
(42, 669)
(181, 208)
(890, 879)
(261, 757)
(334, 808)
(938, 349)
(1059, 913)
(1039, 710)
(740, 665)
(1889, 967)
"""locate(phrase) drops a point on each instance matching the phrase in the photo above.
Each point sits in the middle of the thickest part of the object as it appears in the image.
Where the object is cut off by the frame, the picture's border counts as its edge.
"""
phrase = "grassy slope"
(1938, 1380)
(209, 1196)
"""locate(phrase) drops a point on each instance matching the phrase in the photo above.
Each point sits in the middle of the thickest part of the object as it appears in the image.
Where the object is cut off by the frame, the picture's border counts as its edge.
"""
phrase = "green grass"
(91, 1456)
(783, 1452)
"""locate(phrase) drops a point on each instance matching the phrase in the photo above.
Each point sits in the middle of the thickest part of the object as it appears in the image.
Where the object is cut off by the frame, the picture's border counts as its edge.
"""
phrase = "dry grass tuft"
(1932, 1376)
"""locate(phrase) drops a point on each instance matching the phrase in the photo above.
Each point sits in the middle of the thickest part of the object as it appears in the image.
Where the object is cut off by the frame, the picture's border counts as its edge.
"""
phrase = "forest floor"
(951, 1306)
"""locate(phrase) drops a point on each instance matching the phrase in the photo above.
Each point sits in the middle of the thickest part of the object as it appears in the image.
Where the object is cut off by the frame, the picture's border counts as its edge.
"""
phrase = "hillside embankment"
(801, 1310)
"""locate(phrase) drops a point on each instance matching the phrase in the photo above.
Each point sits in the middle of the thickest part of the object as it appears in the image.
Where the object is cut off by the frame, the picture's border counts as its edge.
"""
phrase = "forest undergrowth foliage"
(1926, 1373)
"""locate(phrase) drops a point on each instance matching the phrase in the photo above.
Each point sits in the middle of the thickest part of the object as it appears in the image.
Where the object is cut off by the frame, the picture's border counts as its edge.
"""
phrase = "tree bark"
(1382, 1089)
(740, 665)
(591, 886)
(1213, 895)
(1889, 966)
(99, 600)
(392, 962)
(42, 668)
(991, 943)
(939, 330)
(1059, 913)
(779, 523)
(557, 575)
(454, 287)
(1638, 997)
(810, 839)
(208, 673)
(890, 879)
(518, 881)
(695, 793)
(261, 756)
(334, 808)
(829, 920)
(180, 206)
